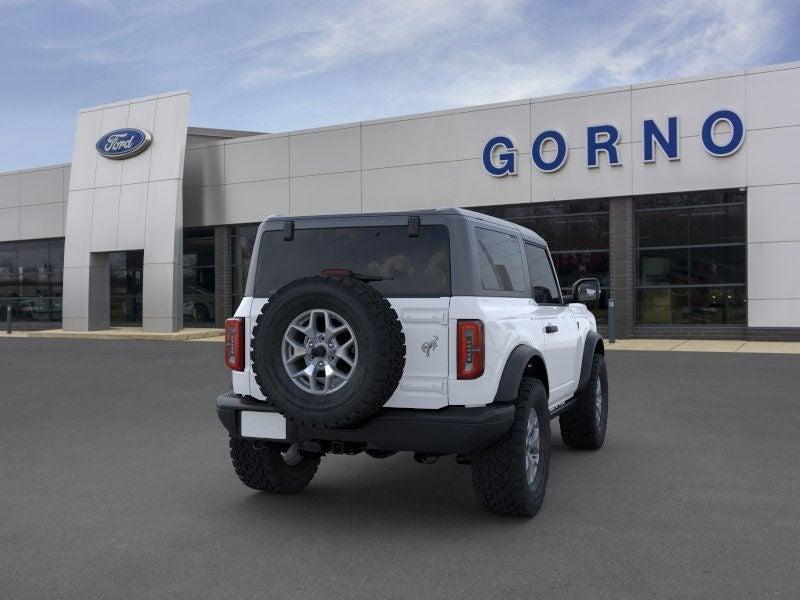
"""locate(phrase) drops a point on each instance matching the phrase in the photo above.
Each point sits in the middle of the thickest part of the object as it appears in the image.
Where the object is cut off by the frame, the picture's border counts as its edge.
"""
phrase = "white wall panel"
(461, 183)
(79, 215)
(571, 115)
(328, 151)
(257, 160)
(132, 212)
(773, 214)
(141, 115)
(41, 221)
(692, 101)
(326, 194)
(203, 206)
(9, 190)
(161, 234)
(43, 186)
(84, 157)
(773, 271)
(76, 293)
(773, 99)
(109, 172)
(157, 297)
(443, 138)
(65, 177)
(696, 170)
(773, 313)
(253, 202)
(9, 224)
(169, 137)
(575, 180)
(773, 156)
(105, 216)
(204, 166)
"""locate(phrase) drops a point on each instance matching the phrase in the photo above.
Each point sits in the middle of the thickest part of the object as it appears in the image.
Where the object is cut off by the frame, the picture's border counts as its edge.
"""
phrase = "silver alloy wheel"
(532, 446)
(319, 351)
(598, 401)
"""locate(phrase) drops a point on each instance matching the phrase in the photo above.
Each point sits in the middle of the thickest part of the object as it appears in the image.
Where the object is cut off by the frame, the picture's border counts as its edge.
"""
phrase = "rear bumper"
(451, 430)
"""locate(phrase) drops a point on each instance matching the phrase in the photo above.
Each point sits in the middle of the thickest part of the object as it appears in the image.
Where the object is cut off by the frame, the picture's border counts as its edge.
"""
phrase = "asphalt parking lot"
(115, 483)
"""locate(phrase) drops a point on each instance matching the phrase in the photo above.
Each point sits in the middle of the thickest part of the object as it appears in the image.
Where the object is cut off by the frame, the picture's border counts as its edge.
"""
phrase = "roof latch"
(413, 226)
(288, 231)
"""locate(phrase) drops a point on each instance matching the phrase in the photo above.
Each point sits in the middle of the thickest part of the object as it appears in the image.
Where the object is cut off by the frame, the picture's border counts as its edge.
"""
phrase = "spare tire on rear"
(328, 351)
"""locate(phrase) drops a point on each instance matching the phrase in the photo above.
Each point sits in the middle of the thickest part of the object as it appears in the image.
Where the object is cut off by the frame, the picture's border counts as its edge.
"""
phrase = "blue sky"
(276, 66)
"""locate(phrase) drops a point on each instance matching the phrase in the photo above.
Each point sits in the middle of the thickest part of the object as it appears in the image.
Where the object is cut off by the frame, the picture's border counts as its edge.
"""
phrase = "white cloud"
(673, 40)
(324, 39)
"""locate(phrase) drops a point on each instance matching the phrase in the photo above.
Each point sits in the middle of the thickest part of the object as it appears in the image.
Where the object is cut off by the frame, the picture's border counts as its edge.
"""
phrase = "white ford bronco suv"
(436, 332)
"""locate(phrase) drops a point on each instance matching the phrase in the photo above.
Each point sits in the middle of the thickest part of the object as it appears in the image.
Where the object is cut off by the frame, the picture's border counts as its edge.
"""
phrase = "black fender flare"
(593, 345)
(517, 362)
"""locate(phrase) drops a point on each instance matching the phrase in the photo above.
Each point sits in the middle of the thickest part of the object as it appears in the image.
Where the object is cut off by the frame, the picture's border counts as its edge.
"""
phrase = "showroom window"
(198, 276)
(691, 259)
(31, 276)
(243, 238)
(575, 232)
(125, 269)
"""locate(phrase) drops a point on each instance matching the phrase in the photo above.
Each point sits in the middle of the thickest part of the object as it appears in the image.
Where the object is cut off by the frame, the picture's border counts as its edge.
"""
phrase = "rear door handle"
(551, 328)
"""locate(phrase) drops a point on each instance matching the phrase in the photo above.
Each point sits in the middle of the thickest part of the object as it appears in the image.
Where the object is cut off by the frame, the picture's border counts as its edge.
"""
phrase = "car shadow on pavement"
(358, 493)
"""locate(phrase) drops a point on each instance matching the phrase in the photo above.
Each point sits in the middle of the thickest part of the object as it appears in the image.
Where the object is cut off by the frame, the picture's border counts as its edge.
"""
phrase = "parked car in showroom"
(198, 304)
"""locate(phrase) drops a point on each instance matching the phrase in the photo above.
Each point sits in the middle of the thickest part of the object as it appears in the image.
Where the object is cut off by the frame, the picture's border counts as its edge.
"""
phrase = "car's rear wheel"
(510, 476)
(272, 467)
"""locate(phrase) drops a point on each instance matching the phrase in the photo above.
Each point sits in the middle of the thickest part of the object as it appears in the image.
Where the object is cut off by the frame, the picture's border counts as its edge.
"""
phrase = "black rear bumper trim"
(450, 430)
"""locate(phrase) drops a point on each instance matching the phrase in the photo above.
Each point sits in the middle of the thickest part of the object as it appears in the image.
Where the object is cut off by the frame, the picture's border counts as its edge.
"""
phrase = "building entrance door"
(126, 287)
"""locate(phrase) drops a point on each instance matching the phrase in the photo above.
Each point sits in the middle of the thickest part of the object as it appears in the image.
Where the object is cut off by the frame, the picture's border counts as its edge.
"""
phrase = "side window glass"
(499, 261)
(544, 286)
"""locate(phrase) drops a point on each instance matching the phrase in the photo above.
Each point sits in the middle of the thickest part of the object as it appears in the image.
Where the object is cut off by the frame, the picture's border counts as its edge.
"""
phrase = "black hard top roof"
(459, 212)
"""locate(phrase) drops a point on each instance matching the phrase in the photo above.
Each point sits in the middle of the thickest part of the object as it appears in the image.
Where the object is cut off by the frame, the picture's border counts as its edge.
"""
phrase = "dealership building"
(681, 196)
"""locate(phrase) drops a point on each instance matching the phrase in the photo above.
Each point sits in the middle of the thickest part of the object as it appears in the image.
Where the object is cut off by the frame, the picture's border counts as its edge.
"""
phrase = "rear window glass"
(410, 266)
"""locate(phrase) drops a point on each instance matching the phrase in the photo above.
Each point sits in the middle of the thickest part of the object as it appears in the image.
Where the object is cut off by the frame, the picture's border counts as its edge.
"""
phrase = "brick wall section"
(694, 332)
(222, 279)
(621, 259)
(773, 334)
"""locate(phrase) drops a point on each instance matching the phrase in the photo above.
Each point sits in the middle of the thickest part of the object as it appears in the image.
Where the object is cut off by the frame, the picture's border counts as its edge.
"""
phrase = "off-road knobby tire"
(260, 466)
(579, 426)
(499, 477)
(379, 337)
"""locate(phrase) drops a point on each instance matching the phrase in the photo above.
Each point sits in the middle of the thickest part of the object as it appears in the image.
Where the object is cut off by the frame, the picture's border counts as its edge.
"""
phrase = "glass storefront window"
(243, 238)
(577, 234)
(30, 279)
(199, 277)
(125, 269)
(691, 259)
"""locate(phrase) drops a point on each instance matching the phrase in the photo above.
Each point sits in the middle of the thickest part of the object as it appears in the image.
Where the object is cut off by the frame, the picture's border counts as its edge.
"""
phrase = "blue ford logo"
(123, 143)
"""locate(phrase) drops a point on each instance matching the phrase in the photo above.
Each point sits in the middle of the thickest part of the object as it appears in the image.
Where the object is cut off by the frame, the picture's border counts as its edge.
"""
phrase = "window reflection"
(31, 275)
(577, 234)
(691, 258)
(199, 277)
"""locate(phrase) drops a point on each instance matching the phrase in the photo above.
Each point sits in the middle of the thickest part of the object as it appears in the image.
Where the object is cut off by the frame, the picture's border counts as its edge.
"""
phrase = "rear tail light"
(471, 349)
(234, 343)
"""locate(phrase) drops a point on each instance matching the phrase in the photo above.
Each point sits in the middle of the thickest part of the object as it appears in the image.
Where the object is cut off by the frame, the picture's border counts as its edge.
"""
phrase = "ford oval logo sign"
(123, 143)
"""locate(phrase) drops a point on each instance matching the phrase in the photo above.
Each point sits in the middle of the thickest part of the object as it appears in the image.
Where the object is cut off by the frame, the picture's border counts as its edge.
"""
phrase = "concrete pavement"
(115, 483)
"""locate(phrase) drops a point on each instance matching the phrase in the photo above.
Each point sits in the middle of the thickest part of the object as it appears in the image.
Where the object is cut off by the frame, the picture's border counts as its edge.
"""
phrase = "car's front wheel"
(272, 467)
(510, 476)
(583, 425)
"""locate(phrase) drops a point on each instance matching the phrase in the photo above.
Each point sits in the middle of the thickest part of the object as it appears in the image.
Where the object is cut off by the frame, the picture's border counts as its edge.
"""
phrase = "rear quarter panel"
(507, 323)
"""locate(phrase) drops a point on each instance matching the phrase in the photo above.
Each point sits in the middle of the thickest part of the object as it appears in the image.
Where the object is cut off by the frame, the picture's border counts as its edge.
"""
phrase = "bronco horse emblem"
(428, 346)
